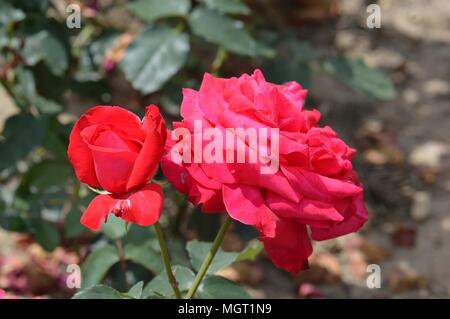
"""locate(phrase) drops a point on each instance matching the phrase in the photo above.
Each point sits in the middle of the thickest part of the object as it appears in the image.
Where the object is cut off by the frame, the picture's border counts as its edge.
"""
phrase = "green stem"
(123, 261)
(209, 258)
(165, 257)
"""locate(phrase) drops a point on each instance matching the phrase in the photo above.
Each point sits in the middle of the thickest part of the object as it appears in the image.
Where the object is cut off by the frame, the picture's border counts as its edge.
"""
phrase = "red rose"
(315, 184)
(112, 149)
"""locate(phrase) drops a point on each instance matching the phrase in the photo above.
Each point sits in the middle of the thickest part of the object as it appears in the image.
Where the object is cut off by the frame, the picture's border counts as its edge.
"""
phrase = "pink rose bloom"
(315, 185)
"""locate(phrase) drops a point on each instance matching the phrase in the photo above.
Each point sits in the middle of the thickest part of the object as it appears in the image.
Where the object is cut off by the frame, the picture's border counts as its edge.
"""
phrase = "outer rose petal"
(102, 114)
(143, 207)
(319, 187)
(81, 158)
(78, 151)
(355, 217)
(146, 205)
(246, 204)
(97, 211)
(210, 198)
(189, 105)
(290, 248)
(176, 174)
(307, 211)
(112, 167)
(150, 154)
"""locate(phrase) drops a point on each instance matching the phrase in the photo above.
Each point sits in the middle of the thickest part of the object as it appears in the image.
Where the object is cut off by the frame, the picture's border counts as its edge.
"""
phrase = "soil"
(406, 170)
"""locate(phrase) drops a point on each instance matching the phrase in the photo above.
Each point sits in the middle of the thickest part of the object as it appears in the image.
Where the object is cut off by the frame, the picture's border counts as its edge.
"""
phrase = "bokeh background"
(384, 90)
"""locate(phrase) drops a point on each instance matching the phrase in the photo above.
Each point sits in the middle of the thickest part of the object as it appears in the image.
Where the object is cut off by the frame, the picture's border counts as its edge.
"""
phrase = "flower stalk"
(166, 261)
(209, 258)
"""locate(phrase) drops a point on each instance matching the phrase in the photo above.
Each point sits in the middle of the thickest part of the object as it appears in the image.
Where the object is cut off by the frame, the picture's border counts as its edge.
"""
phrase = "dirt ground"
(403, 161)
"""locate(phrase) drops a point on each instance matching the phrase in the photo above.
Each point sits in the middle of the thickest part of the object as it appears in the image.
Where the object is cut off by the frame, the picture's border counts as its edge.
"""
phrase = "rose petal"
(146, 162)
(97, 211)
(354, 218)
(247, 205)
(290, 248)
(146, 205)
(319, 187)
(307, 211)
(177, 174)
(112, 167)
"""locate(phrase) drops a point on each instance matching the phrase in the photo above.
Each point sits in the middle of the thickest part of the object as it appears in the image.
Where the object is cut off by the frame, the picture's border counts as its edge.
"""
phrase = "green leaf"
(282, 71)
(72, 226)
(153, 57)
(99, 292)
(45, 105)
(114, 228)
(227, 6)
(301, 51)
(149, 10)
(361, 77)
(160, 286)
(198, 250)
(45, 46)
(47, 174)
(139, 235)
(32, 6)
(25, 89)
(251, 251)
(136, 290)
(216, 287)
(47, 235)
(22, 133)
(97, 265)
(216, 28)
(26, 85)
(10, 14)
(92, 56)
(144, 255)
(11, 220)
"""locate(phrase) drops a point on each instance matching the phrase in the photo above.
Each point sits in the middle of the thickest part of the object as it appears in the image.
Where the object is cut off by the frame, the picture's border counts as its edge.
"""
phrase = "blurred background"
(383, 87)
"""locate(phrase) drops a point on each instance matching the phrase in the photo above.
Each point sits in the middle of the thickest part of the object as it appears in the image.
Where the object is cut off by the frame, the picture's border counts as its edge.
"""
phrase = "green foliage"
(223, 31)
(22, 133)
(355, 73)
(44, 175)
(145, 255)
(149, 10)
(72, 225)
(115, 228)
(137, 290)
(97, 265)
(227, 6)
(216, 287)
(160, 287)
(100, 292)
(9, 14)
(278, 71)
(45, 46)
(47, 236)
(197, 252)
(154, 57)
(251, 251)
